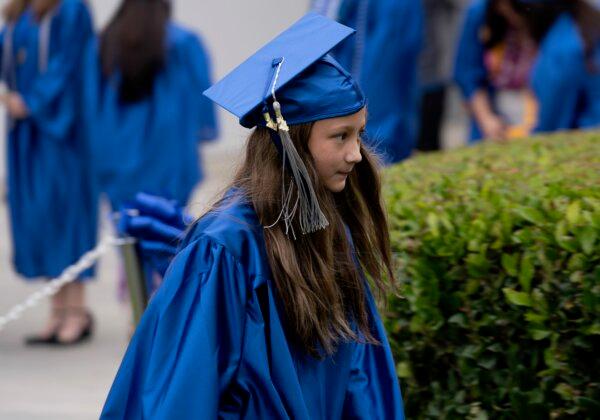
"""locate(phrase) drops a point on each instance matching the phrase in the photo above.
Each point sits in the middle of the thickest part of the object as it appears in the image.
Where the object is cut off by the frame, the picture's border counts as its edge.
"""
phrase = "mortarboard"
(292, 80)
(308, 84)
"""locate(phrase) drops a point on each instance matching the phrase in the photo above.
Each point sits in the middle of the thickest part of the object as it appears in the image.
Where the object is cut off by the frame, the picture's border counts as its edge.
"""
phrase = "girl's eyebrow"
(347, 127)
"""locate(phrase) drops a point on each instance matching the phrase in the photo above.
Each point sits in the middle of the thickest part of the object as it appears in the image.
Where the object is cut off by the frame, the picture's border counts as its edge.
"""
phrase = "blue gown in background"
(383, 57)
(151, 145)
(567, 91)
(212, 343)
(51, 197)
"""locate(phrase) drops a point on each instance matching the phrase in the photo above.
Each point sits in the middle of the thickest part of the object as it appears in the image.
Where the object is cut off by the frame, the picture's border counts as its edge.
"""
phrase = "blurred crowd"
(121, 111)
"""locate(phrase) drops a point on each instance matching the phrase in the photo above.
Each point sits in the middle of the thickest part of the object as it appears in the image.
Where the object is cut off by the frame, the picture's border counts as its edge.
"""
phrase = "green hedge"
(498, 248)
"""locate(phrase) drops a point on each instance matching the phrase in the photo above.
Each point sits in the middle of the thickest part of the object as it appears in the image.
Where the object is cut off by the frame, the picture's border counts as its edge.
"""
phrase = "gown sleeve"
(187, 347)
(373, 388)
(199, 74)
(74, 31)
(469, 69)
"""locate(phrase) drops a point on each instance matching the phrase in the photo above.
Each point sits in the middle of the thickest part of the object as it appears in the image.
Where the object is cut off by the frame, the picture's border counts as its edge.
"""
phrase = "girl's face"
(334, 144)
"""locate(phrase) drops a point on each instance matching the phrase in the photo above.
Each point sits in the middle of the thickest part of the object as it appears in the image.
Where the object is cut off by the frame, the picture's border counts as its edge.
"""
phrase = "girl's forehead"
(358, 119)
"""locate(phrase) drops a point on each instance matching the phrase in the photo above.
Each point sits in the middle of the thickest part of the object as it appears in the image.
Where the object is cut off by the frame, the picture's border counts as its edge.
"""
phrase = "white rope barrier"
(69, 275)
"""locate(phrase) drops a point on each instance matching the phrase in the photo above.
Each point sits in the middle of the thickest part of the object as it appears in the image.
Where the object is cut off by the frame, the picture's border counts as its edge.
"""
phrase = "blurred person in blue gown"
(265, 311)
(145, 113)
(527, 66)
(51, 198)
(383, 57)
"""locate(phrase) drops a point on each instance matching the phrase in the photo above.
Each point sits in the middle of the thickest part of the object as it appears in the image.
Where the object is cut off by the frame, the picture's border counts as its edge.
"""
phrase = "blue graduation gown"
(212, 343)
(151, 145)
(567, 90)
(51, 199)
(383, 57)
(568, 93)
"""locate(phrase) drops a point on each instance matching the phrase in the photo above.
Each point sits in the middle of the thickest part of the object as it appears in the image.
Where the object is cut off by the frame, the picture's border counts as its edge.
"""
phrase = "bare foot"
(76, 326)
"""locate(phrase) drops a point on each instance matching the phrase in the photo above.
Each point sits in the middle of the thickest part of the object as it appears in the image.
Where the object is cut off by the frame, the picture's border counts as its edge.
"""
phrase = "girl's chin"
(337, 185)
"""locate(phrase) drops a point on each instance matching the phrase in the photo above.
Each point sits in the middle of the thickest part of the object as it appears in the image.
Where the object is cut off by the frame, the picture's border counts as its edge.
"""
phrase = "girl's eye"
(340, 136)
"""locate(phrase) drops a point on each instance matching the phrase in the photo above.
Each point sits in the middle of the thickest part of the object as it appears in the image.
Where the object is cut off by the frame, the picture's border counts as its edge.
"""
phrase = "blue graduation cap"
(309, 85)
(291, 80)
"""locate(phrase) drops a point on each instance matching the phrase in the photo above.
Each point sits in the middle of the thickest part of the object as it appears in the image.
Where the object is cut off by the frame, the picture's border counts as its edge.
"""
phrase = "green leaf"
(593, 329)
(526, 273)
(509, 263)
(536, 396)
(468, 351)
(565, 390)
(536, 318)
(403, 370)
(496, 347)
(487, 362)
(478, 415)
(587, 239)
(573, 212)
(540, 334)
(530, 214)
(517, 298)
(458, 319)
(433, 222)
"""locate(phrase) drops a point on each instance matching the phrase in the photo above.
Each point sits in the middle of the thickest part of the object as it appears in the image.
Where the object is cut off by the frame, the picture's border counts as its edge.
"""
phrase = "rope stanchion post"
(136, 281)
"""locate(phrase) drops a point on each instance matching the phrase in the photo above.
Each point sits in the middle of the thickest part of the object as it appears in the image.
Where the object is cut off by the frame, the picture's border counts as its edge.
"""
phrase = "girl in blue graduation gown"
(265, 312)
(145, 111)
(563, 77)
(383, 56)
(51, 198)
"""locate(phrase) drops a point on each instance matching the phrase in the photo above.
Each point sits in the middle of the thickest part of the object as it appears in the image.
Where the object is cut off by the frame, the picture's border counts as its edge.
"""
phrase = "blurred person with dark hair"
(51, 200)
(442, 21)
(145, 112)
(383, 57)
(548, 50)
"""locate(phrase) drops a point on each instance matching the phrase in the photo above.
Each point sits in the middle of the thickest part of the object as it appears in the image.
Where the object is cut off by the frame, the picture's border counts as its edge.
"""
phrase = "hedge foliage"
(498, 248)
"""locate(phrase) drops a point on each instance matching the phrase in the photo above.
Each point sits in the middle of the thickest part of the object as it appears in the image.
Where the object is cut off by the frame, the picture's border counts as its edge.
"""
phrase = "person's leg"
(77, 319)
(58, 304)
(432, 114)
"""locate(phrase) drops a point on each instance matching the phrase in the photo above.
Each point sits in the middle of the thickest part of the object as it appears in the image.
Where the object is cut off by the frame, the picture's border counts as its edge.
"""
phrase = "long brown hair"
(134, 44)
(15, 8)
(316, 275)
